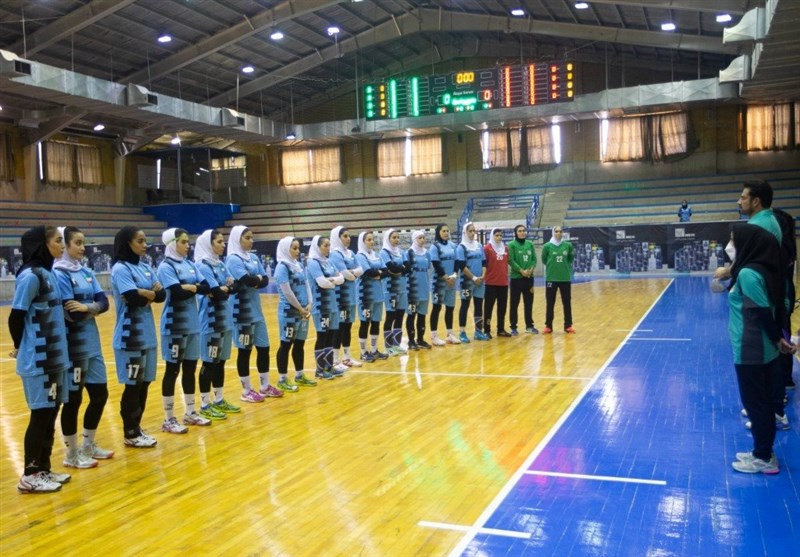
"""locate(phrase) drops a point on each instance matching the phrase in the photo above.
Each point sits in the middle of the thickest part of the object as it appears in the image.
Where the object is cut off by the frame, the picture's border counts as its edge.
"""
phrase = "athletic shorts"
(44, 390)
(216, 347)
(175, 349)
(245, 337)
(135, 366)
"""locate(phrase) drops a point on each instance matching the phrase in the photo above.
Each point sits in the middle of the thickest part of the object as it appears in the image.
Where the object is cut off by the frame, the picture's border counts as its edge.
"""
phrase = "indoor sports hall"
(635, 128)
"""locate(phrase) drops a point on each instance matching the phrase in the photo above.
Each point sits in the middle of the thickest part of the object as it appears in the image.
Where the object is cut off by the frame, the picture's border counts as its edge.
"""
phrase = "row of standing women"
(211, 304)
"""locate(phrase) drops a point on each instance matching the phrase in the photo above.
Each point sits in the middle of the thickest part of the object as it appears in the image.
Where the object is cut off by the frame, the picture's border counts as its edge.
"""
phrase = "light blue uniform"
(473, 259)
(419, 283)
(249, 327)
(347, 292)
(441, 293)
(290, 321)
(215, 314)
(370, 290)
(324, 303)
(395, 287)
(180, 321)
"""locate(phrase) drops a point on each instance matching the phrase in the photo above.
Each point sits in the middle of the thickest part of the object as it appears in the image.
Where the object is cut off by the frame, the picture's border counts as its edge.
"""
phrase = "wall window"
(494, 148)
(412, 156)
(311, 166)
(521, 147)
(70, 164)
(655, 137)
(770, 127)
(6, 159)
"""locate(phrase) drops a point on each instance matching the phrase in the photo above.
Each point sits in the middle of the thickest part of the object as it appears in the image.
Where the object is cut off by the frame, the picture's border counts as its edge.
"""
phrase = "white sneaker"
(452, 339)
(195, 419)
(57, 477)
(172, 426)
(95, 452)
(352, 362)
(401, 350)
(143, 441)
(76, 458)
(436, 341)
(341, 367)
(39, 482)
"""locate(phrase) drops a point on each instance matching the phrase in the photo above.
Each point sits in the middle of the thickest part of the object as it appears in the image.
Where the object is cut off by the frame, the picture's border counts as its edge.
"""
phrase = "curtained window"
(412, 156)
(540, 145)
(426, 155)
(797, 124)
(6, 159)
(391, 158)
(769, 127)
(494, 146)
(669, 135)
(89, 169)
(311, 166)
(623, 139)
(655, 137)
(515, 139)
(72, 165)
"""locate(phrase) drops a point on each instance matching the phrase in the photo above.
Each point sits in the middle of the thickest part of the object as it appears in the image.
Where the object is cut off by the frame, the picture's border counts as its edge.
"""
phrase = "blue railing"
(466, 216)
(530, 218)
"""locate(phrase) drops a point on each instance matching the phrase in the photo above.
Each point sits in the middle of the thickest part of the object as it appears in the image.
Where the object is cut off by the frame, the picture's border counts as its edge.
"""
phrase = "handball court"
(616, 441)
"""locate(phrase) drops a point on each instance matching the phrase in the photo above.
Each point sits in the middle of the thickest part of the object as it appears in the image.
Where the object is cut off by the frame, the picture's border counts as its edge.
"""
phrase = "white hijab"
(314, 252)
(203, 251)
(387, 244)
(498, 247)
(65, 261)
(235, 242)
(471, 245)
(283, 254)
(337, 244)
(553, 237)
(414, 247)
(362, 246)
(170, 244)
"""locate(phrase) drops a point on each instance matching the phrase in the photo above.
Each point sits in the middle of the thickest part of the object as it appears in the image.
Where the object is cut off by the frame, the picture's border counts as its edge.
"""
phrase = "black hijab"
(439, 238)
(516, 238)
(122, 245)
(758, 249)
(34, 249)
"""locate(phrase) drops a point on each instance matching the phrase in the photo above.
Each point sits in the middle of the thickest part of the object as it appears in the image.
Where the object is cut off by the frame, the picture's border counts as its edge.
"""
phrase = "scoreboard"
(464, 91)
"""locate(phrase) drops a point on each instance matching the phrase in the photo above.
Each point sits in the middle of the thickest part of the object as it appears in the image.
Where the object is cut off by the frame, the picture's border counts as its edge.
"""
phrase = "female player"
(215, 324)
(443, 285)
(370, 297)
(557, 258)
(37, 313)
(135, 288)
(395, 292)
(419, 262)
(83, 300)
(522, 259)
(294, 309)
(323, 279)
(344, 260)
(471, 261)
(496, 283)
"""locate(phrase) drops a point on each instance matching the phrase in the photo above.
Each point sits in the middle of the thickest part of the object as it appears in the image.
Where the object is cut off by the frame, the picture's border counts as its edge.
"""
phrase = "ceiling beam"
(285, 11)
(49, 128)
(67, 25)
(718, 6)
(425, 20)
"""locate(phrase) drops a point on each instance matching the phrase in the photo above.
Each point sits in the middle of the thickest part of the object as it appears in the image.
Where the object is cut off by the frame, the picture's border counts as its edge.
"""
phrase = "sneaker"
(210, 412)
(532, 330)
(413, 345)
(352, 362)
(56, 477)
(95, 452)
(195, 419)
(172, 426)
(392, 351)
(547, 330)
(453, 339)
(147, 436)
(463, 338)
(480, 336)
(142, 441)
(380, 355)
(782, 423)
(225, 406)
(756, 465)
(436, 341)
(424, 345)
(748, 456)
(37, 483)
(401, 350)
(744, 413)
(340, 368)
(367, 357)
(287, 386)
(571, 330)
(271, 392)
(336, 372)
(75, 458)
(503, 334)
(304, 381)
(323, 374)
(514, 331)
(252, 396)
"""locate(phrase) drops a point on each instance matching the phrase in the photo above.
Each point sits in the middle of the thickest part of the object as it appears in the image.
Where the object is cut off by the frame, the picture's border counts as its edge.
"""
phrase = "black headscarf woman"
(439, 238)
(35, 252)
(758, 249)
(122, 245)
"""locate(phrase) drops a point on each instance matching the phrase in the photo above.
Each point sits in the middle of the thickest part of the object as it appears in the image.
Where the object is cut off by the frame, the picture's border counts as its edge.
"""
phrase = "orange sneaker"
(547, 331)
(570, 330)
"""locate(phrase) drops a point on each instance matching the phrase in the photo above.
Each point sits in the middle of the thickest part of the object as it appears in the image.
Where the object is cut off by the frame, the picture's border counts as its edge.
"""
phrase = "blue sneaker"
(367, 357)
(532, 330)
(514, 332)
(463, 338)
(323, 374)
(481, 336)
(380, 355)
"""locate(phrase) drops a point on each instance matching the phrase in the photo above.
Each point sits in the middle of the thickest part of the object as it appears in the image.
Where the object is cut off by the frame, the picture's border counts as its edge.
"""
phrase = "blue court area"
(641, 466)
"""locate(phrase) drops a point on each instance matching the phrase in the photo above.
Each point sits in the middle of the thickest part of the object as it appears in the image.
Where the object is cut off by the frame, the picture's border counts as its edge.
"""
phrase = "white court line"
(501, 496)
(665, 339)
(473, 375)
(4, 360)
(599, 478)
(633, 330)
(460, 528)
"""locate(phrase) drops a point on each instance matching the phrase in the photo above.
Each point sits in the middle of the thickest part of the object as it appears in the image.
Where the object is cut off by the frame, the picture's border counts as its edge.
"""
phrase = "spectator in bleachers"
(684, 212)
(522, 259)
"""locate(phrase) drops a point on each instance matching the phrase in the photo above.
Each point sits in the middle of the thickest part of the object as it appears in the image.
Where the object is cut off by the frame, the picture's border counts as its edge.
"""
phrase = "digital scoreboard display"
(464, 91)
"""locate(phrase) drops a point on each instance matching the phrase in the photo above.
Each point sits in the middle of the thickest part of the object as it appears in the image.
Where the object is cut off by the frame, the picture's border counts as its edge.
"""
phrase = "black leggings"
(282, 357)
(566, 300)
(448, 317)
(211, 374)
(171, 377)
(131, 408)
(394, 320)
(371, 327)
(243, 360)
(462, 311)
(500, 295)
(343, 335)
(420, 327)
(98, 396)
(324, 339)
(521, 287)
(39, 438)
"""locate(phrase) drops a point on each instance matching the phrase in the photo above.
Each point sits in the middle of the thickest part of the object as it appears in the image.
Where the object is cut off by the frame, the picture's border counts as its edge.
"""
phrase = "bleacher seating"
(100, 222)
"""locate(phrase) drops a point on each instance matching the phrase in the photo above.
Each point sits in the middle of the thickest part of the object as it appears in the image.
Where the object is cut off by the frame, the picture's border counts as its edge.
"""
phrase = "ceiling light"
(724, 18)
(276, 36)
(518, 12)
(248, 69)
(581, 5)
(667, 26)
(175, 140)
(98, 127)
(165, 38)
(291, 136)
(333, 30)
